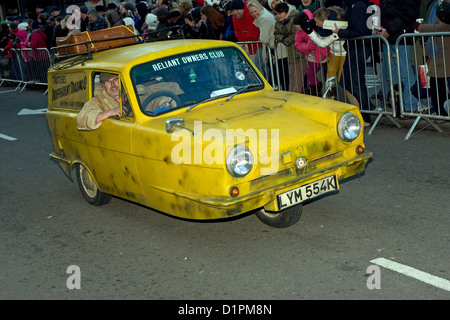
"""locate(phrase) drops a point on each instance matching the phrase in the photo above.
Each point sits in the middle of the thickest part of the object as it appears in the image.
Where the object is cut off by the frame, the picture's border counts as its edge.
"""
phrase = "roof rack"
(84, 49)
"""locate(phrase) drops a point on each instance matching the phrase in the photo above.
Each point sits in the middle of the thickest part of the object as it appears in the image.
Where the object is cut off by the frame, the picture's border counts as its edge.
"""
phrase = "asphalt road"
(399, 211)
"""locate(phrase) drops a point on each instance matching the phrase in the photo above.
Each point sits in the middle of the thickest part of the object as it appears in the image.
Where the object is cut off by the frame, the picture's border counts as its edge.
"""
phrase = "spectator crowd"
(294, 28)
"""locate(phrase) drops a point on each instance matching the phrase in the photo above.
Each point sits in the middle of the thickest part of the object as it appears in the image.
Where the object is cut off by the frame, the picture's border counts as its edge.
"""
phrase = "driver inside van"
(104, 104)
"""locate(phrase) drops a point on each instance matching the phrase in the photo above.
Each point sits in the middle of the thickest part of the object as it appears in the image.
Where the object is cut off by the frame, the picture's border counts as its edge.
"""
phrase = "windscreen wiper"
(243, 89)
(201, 101)
(223, 95)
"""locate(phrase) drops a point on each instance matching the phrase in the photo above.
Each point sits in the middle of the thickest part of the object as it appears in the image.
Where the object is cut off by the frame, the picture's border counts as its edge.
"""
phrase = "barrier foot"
(394, 121)
(434, 125)
(375, 123)
(411, 130)
(24, 86)
(377, 120)
(430, 123)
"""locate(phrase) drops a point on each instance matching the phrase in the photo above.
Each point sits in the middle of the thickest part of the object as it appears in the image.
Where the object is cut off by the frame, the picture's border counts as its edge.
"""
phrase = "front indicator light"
(234, 192)
(360, 149)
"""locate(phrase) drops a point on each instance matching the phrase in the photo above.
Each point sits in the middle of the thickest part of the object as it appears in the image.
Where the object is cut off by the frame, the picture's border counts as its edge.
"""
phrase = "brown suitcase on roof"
(104, 35)
(72, 39)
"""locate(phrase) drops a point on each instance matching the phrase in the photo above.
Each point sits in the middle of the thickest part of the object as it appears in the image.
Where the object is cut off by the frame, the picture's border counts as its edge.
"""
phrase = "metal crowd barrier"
(372, 78)
(9, 67)
(25, 67)
(432, 93)
(379, 80)
(290, 70)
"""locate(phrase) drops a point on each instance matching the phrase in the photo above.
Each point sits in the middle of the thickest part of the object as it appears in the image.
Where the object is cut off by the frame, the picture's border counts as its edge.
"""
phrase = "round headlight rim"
(232, 155)
(346, 116)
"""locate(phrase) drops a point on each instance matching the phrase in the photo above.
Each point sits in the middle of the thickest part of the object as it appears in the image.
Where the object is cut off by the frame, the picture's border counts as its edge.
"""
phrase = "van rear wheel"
(280, 219)
(89, 188)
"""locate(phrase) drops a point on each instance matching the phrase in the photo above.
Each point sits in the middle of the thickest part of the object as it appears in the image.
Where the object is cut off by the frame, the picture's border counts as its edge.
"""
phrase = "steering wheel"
(167, 100)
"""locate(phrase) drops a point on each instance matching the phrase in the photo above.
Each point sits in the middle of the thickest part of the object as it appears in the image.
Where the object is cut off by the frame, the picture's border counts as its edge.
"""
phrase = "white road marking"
(25, 112)
(413, 273)
(4, 136)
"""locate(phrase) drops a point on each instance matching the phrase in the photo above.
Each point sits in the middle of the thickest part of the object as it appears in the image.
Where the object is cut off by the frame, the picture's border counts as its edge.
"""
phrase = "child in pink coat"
(316, 56)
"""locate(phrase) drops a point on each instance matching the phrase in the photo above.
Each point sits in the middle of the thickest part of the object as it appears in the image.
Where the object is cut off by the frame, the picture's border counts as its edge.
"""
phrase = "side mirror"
(176, 123)
(330, 84)
(172, 124)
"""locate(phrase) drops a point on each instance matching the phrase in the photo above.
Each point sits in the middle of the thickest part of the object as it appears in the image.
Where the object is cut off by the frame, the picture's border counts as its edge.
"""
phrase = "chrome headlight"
(348, 127)
(239, 161)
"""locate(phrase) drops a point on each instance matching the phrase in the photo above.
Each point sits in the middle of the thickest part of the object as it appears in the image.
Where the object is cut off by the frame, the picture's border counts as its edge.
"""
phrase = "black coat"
(356, 15)
(398, 17)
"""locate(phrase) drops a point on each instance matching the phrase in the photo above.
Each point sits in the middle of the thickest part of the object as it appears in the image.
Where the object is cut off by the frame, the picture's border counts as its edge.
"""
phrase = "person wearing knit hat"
(23, 26)
(111, 6)
(101, 10)
(142, 10)
(19, 40)
(13, 25)
(41, 9)
(273, 3)
(39, 63)
(55, 11)
(84, 9)
(237, 5)
(18, 19)
(152, 21)
(84, 23)
(244, 29)
(9, 20)
(199, 3)
(126, 7)
(35, 25)
(126, 10)
(162, 12)
(113, 18)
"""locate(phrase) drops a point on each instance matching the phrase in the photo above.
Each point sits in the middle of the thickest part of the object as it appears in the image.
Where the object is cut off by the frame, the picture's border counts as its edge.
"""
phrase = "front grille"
(320, 162)
(261, 180)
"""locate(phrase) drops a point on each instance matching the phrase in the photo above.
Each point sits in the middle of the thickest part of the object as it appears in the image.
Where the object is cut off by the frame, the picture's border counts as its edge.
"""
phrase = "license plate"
(306, 192)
